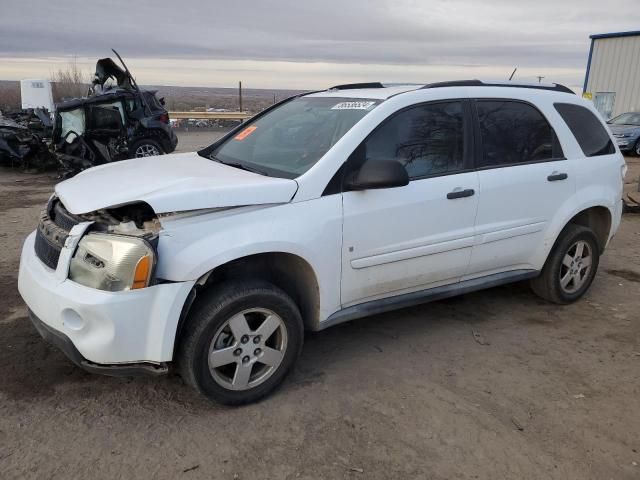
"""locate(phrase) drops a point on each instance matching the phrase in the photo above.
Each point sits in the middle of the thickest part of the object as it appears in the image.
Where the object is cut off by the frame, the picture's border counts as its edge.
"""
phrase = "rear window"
(588, 130)
(153, 102)
(514, 132)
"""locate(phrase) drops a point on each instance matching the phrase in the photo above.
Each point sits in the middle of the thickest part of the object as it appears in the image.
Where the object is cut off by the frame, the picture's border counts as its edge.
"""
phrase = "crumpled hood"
(171, 183)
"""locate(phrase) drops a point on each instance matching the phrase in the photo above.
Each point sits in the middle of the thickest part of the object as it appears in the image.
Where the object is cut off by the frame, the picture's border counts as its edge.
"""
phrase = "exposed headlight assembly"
(112, 262)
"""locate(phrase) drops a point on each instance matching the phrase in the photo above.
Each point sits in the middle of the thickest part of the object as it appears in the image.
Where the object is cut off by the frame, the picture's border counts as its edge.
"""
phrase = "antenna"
(512, 74)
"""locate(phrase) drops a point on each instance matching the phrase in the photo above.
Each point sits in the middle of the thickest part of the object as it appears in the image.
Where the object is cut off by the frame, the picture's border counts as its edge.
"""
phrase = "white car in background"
(326, 207)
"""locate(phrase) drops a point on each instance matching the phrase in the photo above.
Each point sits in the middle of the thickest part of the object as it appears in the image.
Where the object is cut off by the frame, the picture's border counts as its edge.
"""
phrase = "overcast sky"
(309, 43)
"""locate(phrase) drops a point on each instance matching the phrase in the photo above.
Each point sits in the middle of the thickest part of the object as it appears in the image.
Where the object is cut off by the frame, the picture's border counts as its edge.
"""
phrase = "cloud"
(446, 33)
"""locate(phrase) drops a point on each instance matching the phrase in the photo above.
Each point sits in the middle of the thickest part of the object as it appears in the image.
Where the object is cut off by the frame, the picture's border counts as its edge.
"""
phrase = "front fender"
(311, 230)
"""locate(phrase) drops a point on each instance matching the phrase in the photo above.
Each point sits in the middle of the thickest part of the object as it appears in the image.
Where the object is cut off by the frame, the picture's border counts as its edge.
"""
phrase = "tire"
(209, 333)
(146, 148)
(636, 148)
(562, 261)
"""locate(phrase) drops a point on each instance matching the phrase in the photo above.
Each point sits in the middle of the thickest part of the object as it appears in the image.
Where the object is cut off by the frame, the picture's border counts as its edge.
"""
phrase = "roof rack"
(353, 86)
(554, 87)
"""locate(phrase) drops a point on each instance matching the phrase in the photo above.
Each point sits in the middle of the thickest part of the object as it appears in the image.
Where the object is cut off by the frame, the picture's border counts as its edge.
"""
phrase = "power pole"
(240, 95)
(539, 78)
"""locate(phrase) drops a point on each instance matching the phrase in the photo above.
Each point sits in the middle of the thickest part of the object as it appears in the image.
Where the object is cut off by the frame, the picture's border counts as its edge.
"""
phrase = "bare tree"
(10, 96)
(70, 82)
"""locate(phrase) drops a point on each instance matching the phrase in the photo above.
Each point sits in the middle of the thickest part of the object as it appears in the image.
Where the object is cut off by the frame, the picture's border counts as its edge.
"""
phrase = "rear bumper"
(626, 144)
(64, 343)
(172, 142)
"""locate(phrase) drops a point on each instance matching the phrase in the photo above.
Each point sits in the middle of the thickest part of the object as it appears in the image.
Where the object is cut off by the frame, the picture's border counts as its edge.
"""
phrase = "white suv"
(326, 207)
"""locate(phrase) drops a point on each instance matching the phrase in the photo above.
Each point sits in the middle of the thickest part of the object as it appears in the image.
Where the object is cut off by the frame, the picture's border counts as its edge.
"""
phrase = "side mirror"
(378, 174)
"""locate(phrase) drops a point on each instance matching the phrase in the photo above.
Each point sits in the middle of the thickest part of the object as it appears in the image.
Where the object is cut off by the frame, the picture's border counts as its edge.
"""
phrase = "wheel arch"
(599, 219)
(288, 271)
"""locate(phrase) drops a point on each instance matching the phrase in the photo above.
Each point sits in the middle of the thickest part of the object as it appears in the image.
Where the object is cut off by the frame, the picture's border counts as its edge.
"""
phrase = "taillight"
(164, 118)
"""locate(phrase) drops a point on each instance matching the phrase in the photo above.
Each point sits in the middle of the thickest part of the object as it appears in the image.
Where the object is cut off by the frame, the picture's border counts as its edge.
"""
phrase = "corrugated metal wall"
(615, 67)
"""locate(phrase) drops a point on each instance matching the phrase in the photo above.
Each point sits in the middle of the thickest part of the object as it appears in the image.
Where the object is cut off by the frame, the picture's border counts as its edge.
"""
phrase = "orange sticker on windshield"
(245, 133)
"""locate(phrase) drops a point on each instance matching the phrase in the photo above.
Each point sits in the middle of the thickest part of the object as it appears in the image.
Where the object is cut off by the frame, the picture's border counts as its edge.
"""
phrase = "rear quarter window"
(587, 129)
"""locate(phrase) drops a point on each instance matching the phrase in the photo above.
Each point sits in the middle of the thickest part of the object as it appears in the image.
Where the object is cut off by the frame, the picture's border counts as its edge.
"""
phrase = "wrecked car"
(324, 208)
(117, 121)
(24, 139)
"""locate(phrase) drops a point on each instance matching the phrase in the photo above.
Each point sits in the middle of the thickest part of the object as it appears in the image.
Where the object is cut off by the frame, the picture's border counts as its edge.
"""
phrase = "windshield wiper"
(241, 166)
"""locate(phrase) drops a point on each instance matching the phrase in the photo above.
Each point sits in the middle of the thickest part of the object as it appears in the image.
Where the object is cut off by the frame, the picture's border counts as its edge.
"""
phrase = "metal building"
(612, 80)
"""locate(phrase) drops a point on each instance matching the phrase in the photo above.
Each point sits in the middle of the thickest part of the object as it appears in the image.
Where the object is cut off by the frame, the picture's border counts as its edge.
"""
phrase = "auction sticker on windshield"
(353, 106)
(245, 133)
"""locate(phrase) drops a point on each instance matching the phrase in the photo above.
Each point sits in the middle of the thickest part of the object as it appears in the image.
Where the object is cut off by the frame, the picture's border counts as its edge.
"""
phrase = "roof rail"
(352, 86)
(554, 87)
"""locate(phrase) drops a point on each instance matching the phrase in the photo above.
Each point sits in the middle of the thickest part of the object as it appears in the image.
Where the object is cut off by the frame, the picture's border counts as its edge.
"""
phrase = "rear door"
(523, 180)
(398, 240)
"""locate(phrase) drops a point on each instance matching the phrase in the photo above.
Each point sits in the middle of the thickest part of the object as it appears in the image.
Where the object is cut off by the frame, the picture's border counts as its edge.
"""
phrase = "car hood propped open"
(171, 183)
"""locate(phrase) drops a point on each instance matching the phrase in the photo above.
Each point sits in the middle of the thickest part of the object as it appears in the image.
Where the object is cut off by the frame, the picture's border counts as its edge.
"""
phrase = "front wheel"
(240, 341)
(570, 267)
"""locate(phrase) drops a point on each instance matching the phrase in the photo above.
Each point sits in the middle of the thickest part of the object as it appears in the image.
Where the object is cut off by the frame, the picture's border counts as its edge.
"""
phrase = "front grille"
(48, 253)
(53, 230)
(62, 218)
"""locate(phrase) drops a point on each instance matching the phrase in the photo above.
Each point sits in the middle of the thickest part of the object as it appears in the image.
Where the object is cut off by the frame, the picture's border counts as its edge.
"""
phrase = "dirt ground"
(492, 385)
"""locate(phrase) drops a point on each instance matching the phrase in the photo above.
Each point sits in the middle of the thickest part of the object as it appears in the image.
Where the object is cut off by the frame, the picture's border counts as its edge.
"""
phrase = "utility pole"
(539, 78)
(240, 95)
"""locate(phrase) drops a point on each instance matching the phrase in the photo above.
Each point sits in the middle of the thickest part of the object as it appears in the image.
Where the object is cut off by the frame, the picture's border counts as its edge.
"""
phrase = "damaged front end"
(117, 248)
(88, 134)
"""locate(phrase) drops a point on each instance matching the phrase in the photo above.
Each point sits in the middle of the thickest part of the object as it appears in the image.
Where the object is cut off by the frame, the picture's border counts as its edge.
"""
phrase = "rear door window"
(587, 129)
(514, 132)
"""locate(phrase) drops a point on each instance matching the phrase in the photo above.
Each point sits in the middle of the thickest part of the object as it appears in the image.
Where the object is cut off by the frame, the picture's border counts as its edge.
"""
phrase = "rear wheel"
(570, 267)
(240, 342)
(146, 148)
(636, 149)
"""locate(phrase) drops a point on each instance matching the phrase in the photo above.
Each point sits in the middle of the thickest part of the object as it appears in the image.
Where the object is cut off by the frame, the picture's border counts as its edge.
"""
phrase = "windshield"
(290, 139)
(626, 119)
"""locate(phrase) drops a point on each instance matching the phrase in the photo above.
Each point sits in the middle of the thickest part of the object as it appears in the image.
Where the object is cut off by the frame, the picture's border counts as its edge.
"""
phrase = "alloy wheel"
(576, 266)
(247, 349)
(147, 150)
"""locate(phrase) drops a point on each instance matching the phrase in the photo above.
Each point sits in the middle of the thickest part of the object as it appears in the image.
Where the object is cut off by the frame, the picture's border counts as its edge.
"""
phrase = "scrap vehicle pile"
(114, 122)
(25, 138)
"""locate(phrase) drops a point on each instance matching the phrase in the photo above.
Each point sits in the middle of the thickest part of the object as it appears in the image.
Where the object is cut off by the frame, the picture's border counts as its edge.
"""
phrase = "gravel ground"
(495, 384)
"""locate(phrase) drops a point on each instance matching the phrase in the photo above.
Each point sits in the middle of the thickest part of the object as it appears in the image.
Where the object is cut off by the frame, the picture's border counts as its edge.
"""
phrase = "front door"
(399, 240)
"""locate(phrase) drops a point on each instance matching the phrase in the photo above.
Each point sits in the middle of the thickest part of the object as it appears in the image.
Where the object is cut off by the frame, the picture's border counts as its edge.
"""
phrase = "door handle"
(460, 193)
(555, 176)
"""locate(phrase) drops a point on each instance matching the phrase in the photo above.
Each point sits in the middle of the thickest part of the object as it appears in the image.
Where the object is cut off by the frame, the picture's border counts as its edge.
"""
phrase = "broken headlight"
(112, 262)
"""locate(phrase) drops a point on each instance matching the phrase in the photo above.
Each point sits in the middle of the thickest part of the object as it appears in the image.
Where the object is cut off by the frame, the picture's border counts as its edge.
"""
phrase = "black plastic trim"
(469, 192)
(354, 86)
(383, 305)
(556, 177)
(556, 87)
(64, 343)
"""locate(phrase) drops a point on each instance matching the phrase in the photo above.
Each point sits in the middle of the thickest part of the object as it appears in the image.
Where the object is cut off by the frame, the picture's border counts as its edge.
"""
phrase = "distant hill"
(182, 98)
